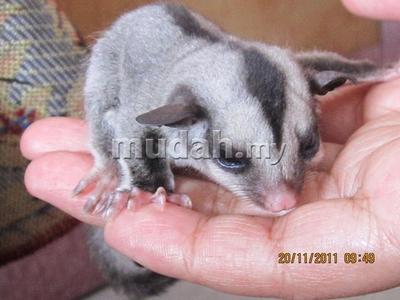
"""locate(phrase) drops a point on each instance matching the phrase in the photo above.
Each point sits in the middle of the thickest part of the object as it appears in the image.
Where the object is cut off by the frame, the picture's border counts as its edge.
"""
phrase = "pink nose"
(280, 198)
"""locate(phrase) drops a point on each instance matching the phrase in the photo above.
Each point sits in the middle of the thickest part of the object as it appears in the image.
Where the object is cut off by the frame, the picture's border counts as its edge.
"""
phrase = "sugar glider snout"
(285, 196)
(280, 199)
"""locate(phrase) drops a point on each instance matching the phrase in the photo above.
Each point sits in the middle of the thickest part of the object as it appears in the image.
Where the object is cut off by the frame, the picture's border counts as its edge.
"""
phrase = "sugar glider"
(161, 69)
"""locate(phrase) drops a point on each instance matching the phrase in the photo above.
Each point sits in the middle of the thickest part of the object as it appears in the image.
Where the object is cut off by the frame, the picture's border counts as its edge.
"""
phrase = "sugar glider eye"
(309, 144)
(236, 162)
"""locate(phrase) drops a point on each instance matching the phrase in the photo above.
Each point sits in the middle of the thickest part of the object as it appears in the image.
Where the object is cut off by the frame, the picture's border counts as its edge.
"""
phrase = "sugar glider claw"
(159, 197)
(181, 200)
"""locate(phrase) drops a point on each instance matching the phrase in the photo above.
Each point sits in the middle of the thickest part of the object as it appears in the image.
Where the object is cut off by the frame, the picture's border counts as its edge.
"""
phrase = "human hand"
(354, 208)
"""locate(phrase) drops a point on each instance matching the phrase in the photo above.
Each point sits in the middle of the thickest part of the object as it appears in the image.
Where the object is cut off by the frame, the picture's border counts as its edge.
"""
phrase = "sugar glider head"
(254, 107)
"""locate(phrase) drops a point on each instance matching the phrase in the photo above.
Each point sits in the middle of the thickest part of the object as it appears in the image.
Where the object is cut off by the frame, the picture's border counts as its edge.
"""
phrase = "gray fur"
(162, 55)
(189, 24)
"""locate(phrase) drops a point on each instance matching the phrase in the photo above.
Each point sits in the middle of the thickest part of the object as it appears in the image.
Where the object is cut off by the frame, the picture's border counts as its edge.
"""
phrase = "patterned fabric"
(40, 76)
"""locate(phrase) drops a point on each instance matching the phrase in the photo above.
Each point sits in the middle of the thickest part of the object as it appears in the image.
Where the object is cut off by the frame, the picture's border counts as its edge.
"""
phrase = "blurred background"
(42, 43)
(306, 24)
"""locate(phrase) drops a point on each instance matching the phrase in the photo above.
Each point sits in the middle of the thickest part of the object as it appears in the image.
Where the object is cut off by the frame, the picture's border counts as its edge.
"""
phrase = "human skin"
(350, 204)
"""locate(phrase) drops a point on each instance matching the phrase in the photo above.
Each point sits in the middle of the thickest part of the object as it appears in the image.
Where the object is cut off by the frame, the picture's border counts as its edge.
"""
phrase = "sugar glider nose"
(279, 199)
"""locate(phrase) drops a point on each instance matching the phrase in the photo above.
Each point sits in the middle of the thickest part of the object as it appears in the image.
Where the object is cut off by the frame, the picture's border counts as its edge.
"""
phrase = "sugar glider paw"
(108, 199)
(112, 204)
(181, 200)
(160, 197)
(105, 196)
(103, 178)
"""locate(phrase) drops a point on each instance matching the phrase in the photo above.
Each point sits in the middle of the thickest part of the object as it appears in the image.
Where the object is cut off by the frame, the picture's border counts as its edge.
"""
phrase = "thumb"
(379, 9)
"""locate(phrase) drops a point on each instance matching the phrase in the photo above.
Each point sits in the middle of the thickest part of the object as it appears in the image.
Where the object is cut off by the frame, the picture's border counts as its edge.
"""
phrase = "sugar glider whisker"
(163, 68)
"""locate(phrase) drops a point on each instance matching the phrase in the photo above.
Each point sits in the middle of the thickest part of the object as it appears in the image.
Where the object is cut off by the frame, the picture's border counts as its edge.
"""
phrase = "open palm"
(353, 205)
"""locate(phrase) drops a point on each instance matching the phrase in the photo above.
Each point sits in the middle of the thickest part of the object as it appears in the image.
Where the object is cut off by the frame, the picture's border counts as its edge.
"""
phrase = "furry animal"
(162, 69)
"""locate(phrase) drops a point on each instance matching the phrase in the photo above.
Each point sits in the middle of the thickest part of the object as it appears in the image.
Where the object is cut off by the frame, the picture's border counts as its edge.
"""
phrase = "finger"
(178, 227)
(54, 134)
(52, 178)
(382, 100)
(330, 151)
(379, 9)
(342, 113)
(239, 254)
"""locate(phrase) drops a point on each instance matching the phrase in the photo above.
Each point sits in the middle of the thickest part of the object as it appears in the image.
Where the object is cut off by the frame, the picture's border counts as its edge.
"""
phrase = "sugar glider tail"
(126, 276)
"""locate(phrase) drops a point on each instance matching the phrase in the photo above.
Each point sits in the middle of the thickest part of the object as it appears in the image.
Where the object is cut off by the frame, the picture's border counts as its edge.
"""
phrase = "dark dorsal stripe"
(267, 84)
(188, 23)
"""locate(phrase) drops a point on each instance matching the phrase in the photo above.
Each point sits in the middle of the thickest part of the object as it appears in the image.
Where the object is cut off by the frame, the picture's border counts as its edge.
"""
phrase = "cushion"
(40, 76)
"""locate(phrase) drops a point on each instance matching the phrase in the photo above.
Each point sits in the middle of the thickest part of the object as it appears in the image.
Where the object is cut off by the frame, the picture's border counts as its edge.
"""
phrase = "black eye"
(309, 145)
(235, 162)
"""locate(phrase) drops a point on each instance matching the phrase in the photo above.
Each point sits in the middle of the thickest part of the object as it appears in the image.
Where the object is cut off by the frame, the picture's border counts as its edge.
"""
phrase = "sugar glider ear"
(172, 115)
(182, 110)
(327, 71)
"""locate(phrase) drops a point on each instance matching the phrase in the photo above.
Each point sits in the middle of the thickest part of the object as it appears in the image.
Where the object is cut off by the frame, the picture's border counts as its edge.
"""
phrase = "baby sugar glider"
(163, 69)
